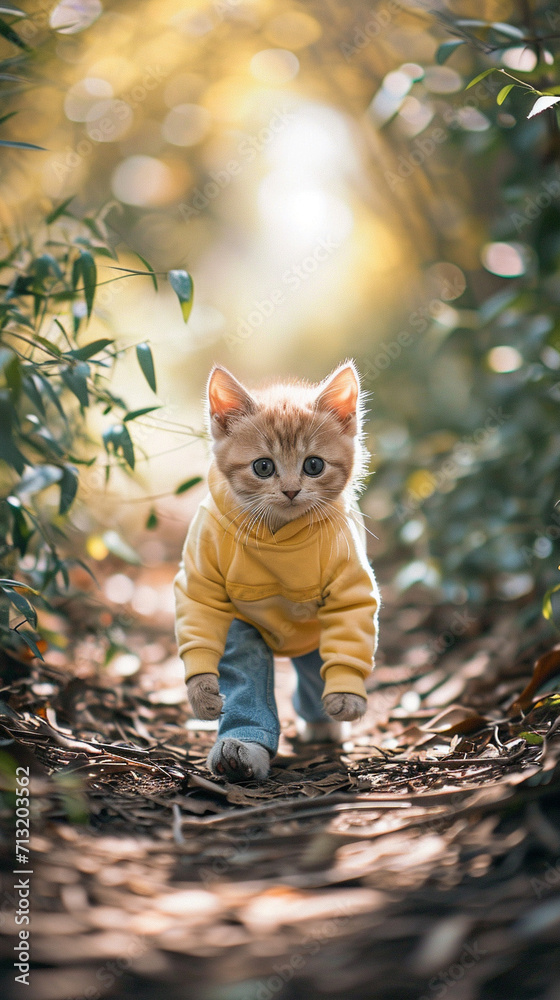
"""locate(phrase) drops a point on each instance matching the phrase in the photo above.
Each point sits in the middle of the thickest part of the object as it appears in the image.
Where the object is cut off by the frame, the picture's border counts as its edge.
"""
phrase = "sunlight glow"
(504, 359)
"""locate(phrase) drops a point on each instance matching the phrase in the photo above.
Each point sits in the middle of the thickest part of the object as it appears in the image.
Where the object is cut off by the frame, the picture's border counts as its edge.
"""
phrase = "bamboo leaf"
(146, 362)
(182, 284)
(504, 92)
(480, 77)
(19, 145)
(30, 641)
(76, 380)
(188, 484)
(89, 276)
(11, 36)
(447, 49)
(86, 352)
(150, 269)
(547, 602)
(140, 413)
(59, 210)
(68, 488)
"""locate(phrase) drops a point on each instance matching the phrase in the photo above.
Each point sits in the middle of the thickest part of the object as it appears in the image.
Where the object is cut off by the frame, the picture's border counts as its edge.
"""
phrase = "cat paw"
(237, 761)
(204, 695)
(344, 707)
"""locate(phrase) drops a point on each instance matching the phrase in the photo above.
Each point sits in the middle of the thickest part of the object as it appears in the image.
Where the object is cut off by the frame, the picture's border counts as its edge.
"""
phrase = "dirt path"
(420, 860)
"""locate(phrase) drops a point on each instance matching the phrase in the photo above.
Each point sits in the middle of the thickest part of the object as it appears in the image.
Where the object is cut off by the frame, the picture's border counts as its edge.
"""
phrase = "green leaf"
(504, 92)
(48, 345)
(534, 738)
(127, 446)
(447, 49)
(480, 77)
(152, 521)
(188, 484)
(119, 439)
(68, 488)
(9, 453)
(8, 8)
(59, 210)
(182, 284)
(89, 276)
(146, 362)
(50, 392)
(21, 531)
(11, 36)
(18, 583)
(29, 641)
(32, 392)
(150, 269)
(46, 264)
(12, 372)
(508, 29)
(140, 413)
(547, 602)
(23, 606)
(86, 352)
(76, 380)
(20, 145)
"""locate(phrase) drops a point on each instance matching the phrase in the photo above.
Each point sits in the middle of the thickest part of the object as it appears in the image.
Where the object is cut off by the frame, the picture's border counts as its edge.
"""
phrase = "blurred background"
(333, 189)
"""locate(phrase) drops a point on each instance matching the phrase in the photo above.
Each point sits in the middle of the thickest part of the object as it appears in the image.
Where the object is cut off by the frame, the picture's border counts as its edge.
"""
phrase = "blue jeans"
(247, 681)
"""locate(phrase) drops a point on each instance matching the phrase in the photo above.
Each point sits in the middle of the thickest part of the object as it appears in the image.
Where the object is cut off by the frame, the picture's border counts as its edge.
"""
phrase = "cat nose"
(291, 493)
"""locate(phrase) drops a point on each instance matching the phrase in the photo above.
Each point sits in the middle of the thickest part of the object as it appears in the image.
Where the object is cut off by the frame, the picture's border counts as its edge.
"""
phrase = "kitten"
(275, 562)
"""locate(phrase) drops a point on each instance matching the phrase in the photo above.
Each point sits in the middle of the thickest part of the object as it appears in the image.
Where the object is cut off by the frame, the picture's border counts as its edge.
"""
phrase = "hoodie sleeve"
(204, 611)
(348, 617)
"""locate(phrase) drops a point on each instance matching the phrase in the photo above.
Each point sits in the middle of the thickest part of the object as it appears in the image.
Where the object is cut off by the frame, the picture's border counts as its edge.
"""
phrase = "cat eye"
(313, 466)
(263, 467)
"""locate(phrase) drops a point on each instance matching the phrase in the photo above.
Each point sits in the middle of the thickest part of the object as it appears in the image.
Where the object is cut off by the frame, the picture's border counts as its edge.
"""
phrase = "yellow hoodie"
(307, 586)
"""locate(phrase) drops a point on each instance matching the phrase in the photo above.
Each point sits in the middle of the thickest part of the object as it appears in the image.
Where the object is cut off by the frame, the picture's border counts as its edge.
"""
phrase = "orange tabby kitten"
(275, 561)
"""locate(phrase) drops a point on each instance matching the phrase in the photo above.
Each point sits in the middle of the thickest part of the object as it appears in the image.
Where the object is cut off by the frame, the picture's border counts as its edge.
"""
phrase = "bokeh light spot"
(504, 359)
(186, 125)
(442, 80)
(142, 180)
(504, 259)
(274, 66)
(72, 16)
(520, 58)
(293, 30)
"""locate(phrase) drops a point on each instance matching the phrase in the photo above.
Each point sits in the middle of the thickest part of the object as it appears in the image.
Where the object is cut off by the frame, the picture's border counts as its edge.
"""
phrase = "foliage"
(474, 459)
(50, 377)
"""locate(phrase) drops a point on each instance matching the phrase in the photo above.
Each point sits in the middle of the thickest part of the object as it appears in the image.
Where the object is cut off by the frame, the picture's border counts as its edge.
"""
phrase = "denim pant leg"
(307, 696)
(247, 682)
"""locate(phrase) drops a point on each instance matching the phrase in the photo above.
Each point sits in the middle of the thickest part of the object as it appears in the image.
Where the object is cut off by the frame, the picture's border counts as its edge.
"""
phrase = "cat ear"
(226, 397)
(340, 393)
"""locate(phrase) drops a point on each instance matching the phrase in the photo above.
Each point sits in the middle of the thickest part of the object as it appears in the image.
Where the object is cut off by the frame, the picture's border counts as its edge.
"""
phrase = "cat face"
(288, 449)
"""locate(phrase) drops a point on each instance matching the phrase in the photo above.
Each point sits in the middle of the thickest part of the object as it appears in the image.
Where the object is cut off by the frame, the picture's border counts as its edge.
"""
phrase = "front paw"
(204, 695)
(344, 707)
